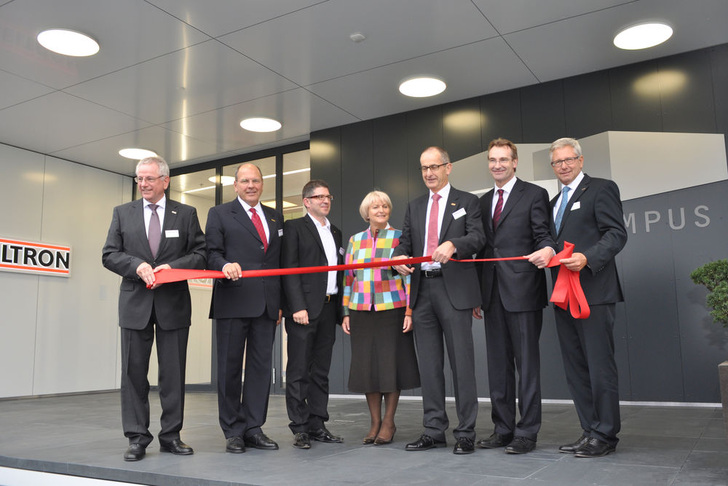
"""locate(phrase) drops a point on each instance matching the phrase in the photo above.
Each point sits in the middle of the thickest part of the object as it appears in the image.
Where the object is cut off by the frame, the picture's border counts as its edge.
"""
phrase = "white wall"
(61, 335)
(58, 335)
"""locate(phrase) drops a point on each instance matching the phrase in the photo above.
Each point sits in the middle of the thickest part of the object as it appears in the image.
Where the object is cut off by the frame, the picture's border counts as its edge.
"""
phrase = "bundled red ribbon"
(567, 291)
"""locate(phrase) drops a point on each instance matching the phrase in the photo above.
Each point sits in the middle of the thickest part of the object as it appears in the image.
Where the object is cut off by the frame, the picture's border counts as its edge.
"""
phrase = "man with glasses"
(444, 223)
(313, 308)
(146, 236)
(516, 222)
(588, 213)
(244, 235)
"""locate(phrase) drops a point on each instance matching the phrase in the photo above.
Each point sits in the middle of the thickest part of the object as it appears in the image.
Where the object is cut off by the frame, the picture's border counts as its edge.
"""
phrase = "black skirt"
(383, 358)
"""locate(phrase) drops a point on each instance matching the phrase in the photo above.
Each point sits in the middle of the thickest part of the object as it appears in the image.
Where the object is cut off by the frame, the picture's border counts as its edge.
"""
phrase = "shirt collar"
(444, 192)
(507, 187)
(318, 225)
(160, 204)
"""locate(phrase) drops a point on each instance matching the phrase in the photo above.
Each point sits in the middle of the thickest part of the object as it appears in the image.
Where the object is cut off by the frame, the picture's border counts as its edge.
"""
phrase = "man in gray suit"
(444, 223)
(146, 236)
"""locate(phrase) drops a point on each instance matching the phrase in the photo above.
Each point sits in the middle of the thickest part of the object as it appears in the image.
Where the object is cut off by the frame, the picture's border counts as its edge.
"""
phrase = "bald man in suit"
(242, 235)
(146, 236)
(446, 224)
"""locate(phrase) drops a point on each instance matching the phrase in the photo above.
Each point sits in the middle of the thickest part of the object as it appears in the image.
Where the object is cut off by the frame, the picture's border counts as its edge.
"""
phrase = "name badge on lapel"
(576, 206)
(171, 233)
(459, 213)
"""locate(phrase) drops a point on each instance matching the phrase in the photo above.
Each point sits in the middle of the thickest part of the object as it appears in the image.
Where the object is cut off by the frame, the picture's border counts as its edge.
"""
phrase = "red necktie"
(259, 226)
(498, 209)
(432, 237)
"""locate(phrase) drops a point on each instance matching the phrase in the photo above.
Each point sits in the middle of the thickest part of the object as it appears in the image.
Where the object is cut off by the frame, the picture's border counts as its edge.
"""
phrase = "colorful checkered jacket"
(381, 287)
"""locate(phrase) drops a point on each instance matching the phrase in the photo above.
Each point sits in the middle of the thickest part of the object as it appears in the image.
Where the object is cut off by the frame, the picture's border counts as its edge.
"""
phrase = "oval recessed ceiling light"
(68, 42)
(422, 87)
(225, 180)
(643, 36)
(260, 124)
(136, 153)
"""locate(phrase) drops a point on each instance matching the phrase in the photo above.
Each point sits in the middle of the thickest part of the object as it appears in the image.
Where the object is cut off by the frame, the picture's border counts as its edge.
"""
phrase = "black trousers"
(438, 325)
(136, 349)
(512, 345)
(587, 349)
(243, 407)
(307, 371)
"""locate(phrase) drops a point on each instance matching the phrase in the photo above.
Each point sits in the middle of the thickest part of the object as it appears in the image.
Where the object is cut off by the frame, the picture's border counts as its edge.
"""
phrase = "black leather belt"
(434, 273)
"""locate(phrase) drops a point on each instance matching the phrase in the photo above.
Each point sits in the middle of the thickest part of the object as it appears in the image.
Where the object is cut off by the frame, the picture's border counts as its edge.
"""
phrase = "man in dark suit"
(312, 310)
(588, 213)
(443, 223)
(148, 235)
(244, 235)
(516, 223)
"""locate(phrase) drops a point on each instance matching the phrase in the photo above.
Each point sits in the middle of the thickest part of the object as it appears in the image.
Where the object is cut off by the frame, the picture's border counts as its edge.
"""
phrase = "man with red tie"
(244, 235)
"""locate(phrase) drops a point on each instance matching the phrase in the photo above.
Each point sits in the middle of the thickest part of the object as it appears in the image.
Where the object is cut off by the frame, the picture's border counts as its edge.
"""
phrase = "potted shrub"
(714, 276)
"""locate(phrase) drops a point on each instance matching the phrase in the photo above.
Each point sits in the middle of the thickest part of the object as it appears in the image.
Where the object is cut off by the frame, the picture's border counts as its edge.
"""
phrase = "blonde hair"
(370, 199)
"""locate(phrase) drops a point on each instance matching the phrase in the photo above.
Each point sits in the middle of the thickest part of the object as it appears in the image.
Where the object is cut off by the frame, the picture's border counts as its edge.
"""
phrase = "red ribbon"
(567, 289)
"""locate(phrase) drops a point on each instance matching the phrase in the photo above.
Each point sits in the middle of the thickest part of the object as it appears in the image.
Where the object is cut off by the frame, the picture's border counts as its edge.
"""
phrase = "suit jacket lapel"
(241, 216)
(170, 220)
(512, 200)
(139, 229)
(451, 205)
(580, 189)
(308, 222)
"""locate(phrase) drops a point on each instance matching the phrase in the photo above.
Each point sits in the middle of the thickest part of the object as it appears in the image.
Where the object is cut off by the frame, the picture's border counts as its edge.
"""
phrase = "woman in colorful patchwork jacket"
(376, 315)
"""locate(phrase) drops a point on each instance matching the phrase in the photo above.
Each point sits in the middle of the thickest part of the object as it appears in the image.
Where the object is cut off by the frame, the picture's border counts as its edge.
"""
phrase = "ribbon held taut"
(567, 291)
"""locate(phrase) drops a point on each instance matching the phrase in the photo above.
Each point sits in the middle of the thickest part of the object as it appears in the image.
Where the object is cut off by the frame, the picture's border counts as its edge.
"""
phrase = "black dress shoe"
(595, 448)
(464, 446)
(235, 445)
(135, 452)
(495, 440)
(520, 445)
(176, 446)
(302, 441)
(424, 443)
(323, 435)
(571, 448)
(261, 441)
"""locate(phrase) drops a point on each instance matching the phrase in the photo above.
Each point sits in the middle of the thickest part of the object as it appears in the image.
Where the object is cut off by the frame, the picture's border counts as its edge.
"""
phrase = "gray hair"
(161, 165)
(566, 142)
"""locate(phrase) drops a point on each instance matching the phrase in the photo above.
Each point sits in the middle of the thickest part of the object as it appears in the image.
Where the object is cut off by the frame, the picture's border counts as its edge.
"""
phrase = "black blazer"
(594, 222)
(523, 228)
(462, 225)
(232, 237)
(127, 247)
(302, 247)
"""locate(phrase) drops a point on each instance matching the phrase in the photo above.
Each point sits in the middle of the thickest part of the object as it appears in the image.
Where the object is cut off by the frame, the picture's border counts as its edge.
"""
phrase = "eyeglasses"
(568, 161)
(432, 167)
(321, 197)
(148, 180)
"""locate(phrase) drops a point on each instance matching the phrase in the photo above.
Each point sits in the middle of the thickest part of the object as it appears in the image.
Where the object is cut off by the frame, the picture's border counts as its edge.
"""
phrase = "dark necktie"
(259, 226)
(155, 231)
(432, 238)
(498, 209)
